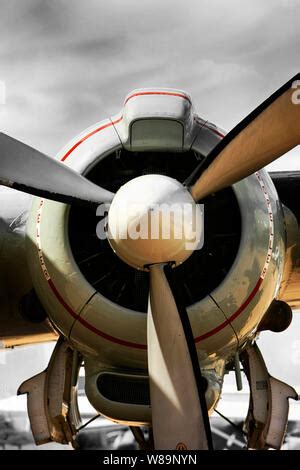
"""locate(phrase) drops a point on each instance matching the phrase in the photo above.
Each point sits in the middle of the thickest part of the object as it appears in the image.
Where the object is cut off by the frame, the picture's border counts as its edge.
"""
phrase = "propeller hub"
(154, 219)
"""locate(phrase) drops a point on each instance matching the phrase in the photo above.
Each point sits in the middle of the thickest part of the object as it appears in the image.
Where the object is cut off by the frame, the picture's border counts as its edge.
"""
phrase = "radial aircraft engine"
(155, 320)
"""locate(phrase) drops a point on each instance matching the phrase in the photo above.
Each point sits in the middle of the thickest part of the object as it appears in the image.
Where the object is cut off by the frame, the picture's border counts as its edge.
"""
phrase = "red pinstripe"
(167, 93)
(101, 128)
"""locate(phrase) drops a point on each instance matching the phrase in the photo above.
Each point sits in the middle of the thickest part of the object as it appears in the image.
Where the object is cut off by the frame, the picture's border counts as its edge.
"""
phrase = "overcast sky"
(67, 64)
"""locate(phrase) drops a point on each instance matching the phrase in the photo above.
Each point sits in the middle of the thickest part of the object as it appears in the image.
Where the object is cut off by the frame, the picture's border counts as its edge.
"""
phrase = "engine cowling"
(227, 286)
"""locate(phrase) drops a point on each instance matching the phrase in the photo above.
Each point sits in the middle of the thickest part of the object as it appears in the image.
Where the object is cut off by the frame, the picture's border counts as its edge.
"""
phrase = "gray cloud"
(69, 64)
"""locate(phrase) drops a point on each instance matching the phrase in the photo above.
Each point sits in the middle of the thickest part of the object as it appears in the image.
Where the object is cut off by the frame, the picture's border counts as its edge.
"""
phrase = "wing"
(287, 184)
(22, 319)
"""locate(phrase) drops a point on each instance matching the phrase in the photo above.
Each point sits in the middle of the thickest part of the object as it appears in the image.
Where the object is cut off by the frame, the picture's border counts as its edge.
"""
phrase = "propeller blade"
(268, 132)
(179, 411)
(28, 170)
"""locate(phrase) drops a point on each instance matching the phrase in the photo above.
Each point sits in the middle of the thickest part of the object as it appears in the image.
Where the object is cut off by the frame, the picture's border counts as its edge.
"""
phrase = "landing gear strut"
(267, 417)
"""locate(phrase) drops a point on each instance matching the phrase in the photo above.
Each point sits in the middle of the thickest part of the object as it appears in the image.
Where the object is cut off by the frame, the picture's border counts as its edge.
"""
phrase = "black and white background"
(67, 64)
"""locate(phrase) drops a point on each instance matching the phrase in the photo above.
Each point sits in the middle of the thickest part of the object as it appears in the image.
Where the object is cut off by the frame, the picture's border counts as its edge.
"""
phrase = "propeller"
(264, 135)
(179, 412)
(28, 170)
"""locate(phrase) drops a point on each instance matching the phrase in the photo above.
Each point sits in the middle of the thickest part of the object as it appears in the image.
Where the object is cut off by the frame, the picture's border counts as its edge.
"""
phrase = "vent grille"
(124, 389)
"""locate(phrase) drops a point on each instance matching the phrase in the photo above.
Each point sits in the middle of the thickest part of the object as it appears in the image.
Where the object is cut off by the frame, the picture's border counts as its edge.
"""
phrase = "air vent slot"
(133, 390)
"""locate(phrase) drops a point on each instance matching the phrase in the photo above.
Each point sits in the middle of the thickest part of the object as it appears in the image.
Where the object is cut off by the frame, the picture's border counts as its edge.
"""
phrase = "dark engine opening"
(128, 287)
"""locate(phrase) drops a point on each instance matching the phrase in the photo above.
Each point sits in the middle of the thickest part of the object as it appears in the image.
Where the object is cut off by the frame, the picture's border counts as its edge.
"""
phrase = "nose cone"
(154, 219)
